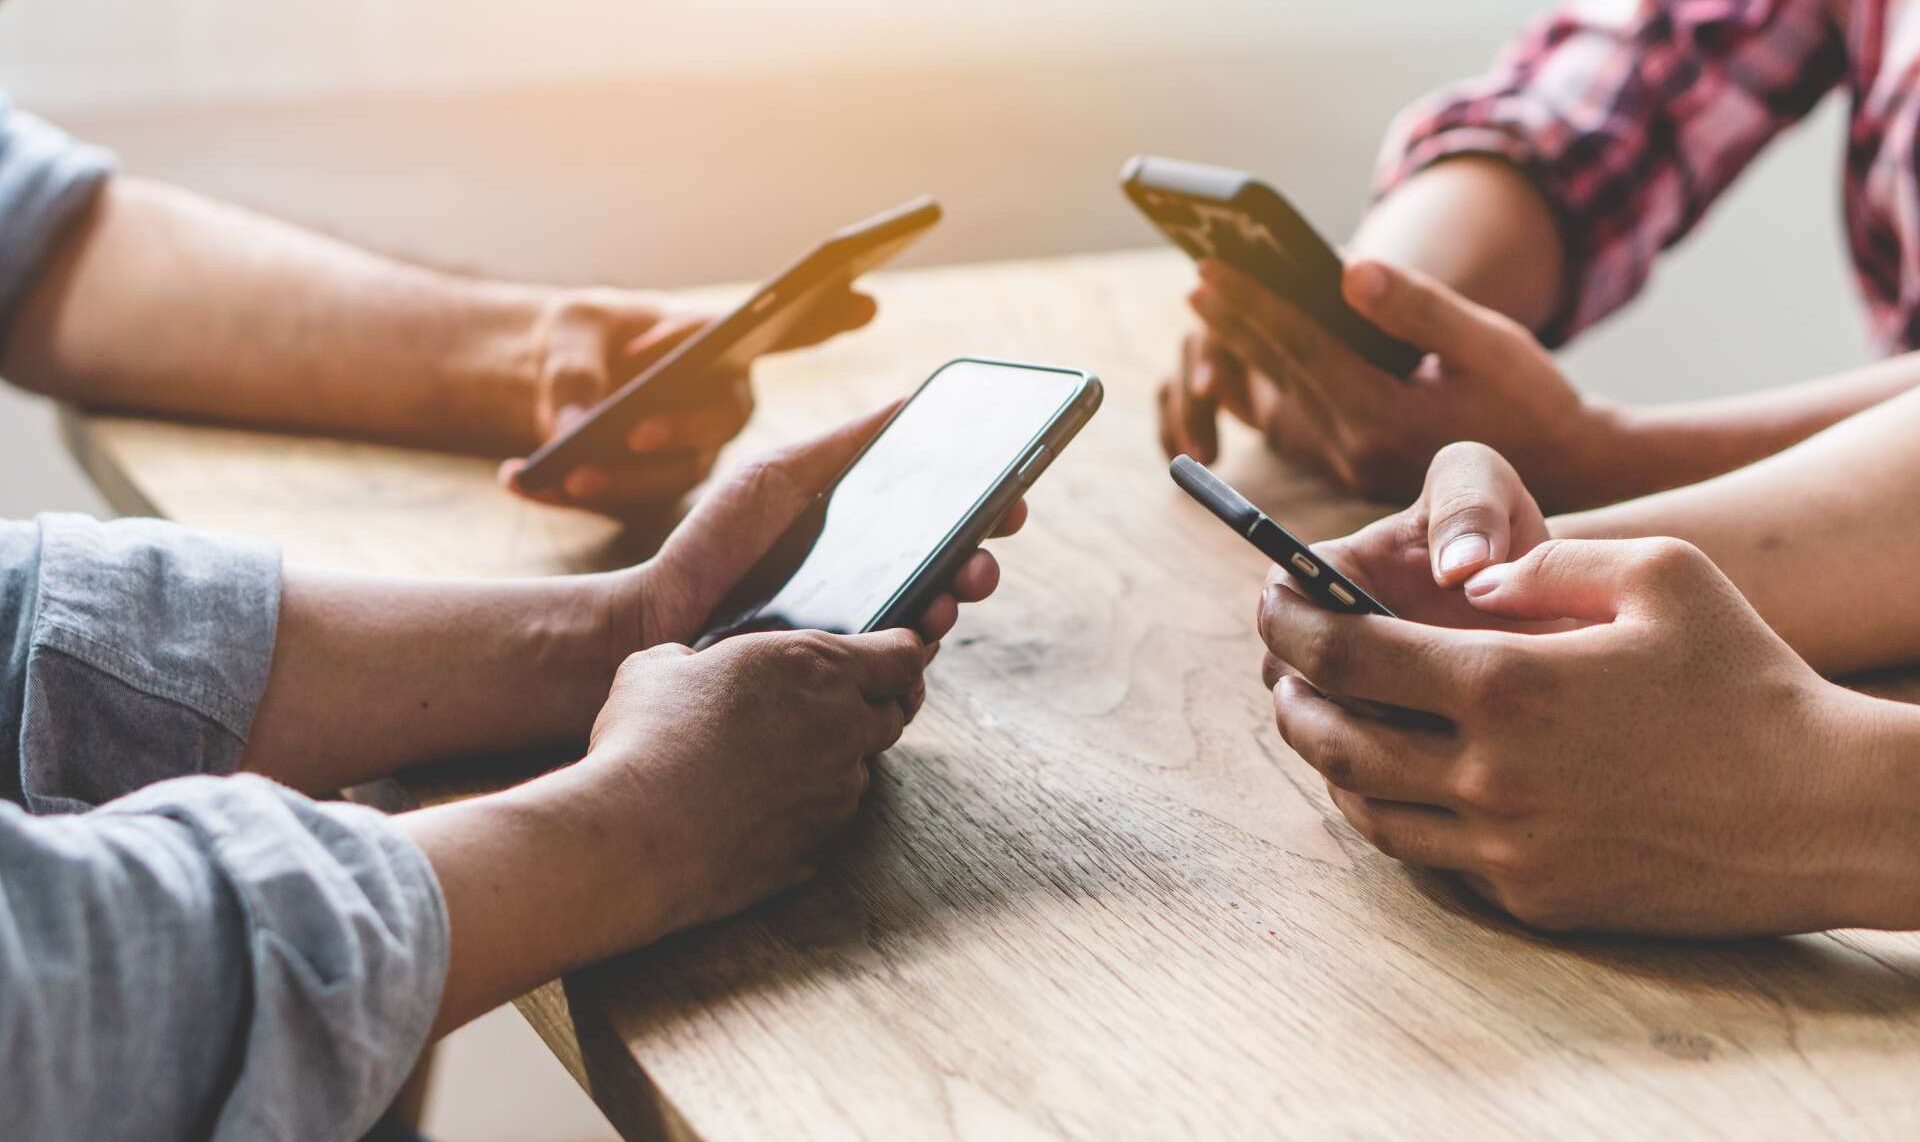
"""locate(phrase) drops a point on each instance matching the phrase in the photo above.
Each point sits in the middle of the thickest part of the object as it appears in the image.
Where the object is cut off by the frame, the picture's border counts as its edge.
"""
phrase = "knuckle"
(1520, 870)
(1325, 656)
(806, 658)
(1540, 909)
(1335, 764)
(1383, 837)
(1507, 680)
(1485, 787)
(1661, 561)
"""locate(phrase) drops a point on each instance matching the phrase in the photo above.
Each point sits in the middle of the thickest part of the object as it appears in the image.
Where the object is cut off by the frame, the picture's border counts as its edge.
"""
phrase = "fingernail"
(1367, 281)
(649, 435)
(586, 483)
(1464, 551)
(1488, 581)
(1203, 381)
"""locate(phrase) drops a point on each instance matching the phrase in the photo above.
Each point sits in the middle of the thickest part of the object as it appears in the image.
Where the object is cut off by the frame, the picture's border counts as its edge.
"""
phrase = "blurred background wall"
(636, 141)
(641, 142)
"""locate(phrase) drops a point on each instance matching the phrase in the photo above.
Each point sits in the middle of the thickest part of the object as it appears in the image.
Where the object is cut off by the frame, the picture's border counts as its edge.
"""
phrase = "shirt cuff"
(1407, 157)
(46, 179)
(150, 646)
(347, 945)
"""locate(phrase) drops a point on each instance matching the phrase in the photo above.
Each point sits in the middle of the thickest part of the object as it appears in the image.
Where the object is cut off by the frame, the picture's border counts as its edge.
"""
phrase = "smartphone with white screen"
(888, 535)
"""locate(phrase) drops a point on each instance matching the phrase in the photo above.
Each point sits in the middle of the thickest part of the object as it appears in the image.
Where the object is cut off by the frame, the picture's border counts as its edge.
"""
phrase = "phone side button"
(1035, 464)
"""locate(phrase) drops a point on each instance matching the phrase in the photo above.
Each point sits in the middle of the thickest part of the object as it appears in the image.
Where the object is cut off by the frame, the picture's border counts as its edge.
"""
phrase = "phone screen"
(949, 450)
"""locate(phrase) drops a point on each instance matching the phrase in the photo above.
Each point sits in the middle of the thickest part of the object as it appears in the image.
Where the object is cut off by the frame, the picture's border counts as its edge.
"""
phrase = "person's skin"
(161, 301)
(710, 779)
(1634, 738)
(1464, 260)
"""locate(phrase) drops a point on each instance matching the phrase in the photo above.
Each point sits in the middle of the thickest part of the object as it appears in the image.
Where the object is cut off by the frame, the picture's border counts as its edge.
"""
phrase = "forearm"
(1638, 450)
(372, 675)
(1478, 225)
(1823, 538)
(161, 301)
(537, 883)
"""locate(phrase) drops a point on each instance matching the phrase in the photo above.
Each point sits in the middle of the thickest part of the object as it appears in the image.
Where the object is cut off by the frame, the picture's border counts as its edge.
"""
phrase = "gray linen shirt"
(184, 953)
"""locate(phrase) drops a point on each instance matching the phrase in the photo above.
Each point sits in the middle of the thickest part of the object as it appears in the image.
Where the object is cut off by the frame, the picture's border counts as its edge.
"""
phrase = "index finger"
(1373, 657)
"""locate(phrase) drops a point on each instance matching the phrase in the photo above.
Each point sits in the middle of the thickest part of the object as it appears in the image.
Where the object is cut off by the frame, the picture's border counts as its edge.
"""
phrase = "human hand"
(1318, 402)
(672, 596)
(735, 766)
(591, 342)
(1473, 512)
(1671, 767)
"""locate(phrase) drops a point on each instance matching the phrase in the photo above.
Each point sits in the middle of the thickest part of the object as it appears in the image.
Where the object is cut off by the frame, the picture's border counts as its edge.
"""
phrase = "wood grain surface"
(1094, 896)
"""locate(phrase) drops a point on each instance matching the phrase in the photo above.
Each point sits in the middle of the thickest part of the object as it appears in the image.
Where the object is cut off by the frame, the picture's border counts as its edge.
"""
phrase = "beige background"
(637, 142)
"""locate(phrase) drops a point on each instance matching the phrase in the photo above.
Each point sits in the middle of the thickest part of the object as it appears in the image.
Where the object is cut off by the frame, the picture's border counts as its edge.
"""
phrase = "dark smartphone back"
(1215, 212)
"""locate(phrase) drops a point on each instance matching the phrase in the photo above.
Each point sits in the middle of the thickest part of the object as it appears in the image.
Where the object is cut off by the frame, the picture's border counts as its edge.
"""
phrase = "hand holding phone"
(1230, 216)
(727, 346)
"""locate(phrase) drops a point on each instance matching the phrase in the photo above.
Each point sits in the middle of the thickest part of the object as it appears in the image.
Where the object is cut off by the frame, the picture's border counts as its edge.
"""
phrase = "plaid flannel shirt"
(1632, 116)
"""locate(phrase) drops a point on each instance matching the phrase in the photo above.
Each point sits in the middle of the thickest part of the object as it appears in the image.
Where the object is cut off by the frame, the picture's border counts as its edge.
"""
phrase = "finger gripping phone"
(729, 345)
(1229, 215)
(888, 534)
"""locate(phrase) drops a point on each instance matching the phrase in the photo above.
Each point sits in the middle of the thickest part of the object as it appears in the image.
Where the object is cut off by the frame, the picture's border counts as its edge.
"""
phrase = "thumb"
(1478, 512)
(1416, 309)
(739, 522)
(1593, 580)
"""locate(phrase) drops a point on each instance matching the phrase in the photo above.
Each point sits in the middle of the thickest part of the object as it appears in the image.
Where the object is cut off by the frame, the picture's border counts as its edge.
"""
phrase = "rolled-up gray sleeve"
(201, 956)
(140, 650)
(46, 178)
(212, 957)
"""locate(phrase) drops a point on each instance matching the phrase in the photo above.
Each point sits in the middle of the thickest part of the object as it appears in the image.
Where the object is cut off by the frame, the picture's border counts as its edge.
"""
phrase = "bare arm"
(1478, 226)
(372, 675)
(163, 301)
(1823, 538)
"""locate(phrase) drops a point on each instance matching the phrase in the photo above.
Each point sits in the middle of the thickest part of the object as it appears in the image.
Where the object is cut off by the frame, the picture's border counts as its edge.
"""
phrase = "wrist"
(615, 859)
(1575, 463)
(494, 387)
(1874, 745)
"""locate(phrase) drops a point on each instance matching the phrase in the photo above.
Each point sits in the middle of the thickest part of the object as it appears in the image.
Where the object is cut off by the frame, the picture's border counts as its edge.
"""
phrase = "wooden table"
(1094, 895)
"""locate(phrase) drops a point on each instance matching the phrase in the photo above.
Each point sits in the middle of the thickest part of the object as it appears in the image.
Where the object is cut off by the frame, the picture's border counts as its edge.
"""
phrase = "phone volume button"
(1036, 463)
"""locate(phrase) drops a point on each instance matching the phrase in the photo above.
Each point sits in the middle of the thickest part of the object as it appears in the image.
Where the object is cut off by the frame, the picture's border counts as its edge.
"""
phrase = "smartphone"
(888, 535)
(678, 381)
(1214, 212)
(1321, 580)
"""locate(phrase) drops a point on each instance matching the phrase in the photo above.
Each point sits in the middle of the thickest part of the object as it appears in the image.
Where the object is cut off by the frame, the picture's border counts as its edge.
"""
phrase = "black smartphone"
(1214, 212)
(889, 533)
(1321, 580)
(678, 380)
